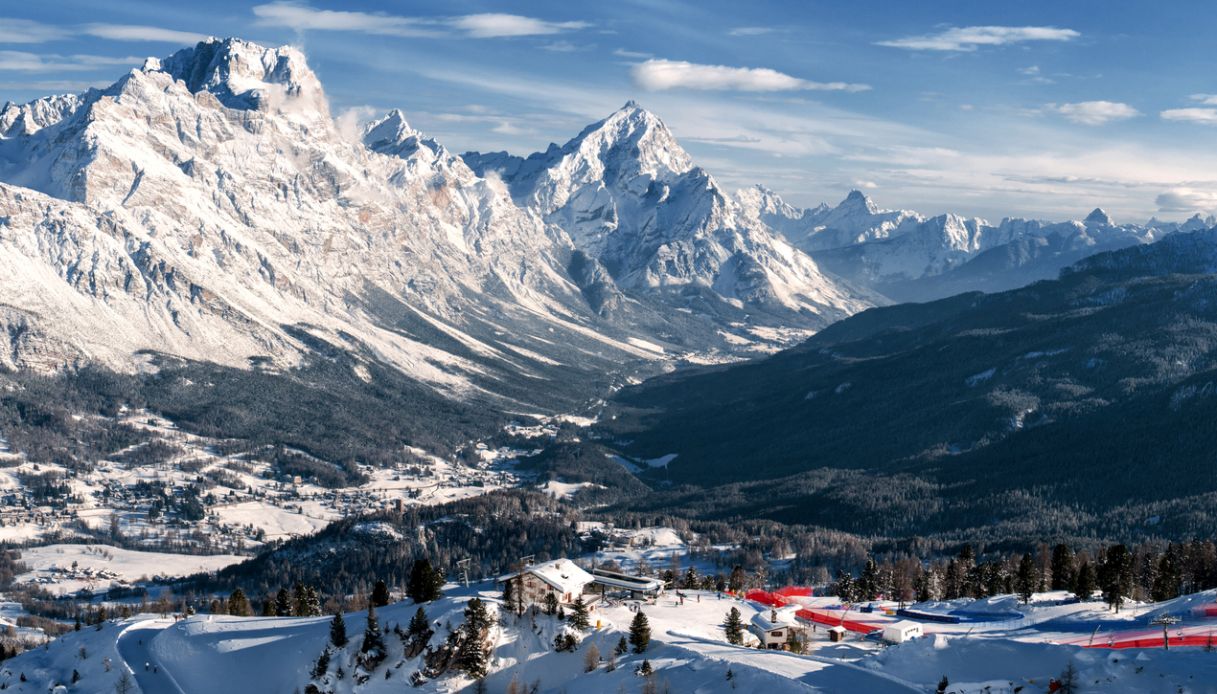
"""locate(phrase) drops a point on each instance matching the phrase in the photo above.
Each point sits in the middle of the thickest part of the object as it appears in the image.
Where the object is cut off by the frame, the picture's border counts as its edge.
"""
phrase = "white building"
(562, 577)
(899, 632)
(775, 627)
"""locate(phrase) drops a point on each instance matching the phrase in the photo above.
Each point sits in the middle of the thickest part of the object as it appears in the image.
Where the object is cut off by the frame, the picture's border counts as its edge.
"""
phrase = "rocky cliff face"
(207, 206)
(631, 197)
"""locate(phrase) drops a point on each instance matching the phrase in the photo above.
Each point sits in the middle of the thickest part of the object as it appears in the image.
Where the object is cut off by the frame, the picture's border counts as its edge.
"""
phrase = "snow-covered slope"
(207, 206)
(631, 198)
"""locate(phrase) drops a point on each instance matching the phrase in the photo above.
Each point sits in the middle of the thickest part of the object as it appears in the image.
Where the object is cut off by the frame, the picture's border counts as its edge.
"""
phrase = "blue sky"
(1041, 109)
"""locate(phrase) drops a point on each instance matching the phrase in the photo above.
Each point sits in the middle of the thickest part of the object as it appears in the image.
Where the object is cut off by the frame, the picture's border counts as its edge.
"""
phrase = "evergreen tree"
(734, 627)
(868, 582)
(300, 605)
(509, 597)
(426, 583)
(1116, 575)
(622, 647)
(737, 580)
(551, 603)
(380, 594)
(471, 654)
(338, 630)
(640, 632)
(1063, 573)
(1168, 580)
(1027, 580)
(372, 651)
(1084, 582)
(283, 604)
(419, 624)
(312, 602)
(690, 577)
(845, 587)
(578, 615)
(322, 665)
(952, 587)
(238, 604)
(645, 669)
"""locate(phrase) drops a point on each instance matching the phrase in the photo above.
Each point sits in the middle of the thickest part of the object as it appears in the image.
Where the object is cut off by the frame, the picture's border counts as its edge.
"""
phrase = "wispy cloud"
(1034, 75)
(969, 39)
(1206, 99)
(633, 55)
(661, 75)
(565, 47)
(493, 25)
(139, 32)
(1095, 112)
(28, 31)
(486, 25)
(303, 18)
(1203, 116)
(23, 61)
(751, 31)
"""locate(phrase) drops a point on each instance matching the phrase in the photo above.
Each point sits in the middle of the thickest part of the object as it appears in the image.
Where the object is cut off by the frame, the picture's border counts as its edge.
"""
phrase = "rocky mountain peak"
(857, 201)
(245, 75)
(1099, 217)
(633, 134)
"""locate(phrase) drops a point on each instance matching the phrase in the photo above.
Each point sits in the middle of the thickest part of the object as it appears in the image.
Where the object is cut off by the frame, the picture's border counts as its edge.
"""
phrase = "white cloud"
(635, 55)
(303, 17)
(1187, 200)
(751, 31)
(479, 26)
(660, 75)
(138, 32)
(492, 25)
(563, 47)
(1095, 112)
(1203, 116)
(22, 61)
(27, 31)
(1206, 99)
(970, 38)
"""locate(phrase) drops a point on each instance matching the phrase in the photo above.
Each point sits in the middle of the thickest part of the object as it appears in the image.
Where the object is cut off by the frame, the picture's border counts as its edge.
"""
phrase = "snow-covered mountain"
(208, 206)
(908, 257)
(633, 200)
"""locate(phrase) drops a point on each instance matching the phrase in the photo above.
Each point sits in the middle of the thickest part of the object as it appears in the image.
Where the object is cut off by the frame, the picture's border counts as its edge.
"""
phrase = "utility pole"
(1166, 621)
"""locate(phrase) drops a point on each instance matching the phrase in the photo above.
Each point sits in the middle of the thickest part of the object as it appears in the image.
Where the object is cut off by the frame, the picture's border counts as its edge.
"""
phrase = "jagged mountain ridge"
(207, 206)
(906, 256)
(631, 198)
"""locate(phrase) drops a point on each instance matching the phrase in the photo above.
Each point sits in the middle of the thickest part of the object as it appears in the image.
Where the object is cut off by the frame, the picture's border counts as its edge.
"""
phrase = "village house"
(562, 577)
(776, 627)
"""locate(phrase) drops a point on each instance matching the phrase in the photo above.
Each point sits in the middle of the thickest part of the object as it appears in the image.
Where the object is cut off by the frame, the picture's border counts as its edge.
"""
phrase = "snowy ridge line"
(143, 648)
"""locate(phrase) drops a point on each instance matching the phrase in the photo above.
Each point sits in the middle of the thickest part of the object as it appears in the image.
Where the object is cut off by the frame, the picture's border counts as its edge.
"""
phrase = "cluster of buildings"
(567, 581)
(776, 628)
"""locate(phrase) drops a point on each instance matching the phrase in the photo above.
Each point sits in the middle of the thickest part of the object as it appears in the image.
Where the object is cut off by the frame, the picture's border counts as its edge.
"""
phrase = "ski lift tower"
(463, 565)
(1166, 621)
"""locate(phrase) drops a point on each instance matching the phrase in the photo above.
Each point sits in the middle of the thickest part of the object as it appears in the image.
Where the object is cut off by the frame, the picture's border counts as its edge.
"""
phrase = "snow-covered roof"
(768, 620)
(903, 625)
(563, 574)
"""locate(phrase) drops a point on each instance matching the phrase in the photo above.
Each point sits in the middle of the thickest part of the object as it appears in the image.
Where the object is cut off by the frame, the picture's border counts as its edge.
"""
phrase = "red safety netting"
(778, 598)
(1156, 642)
